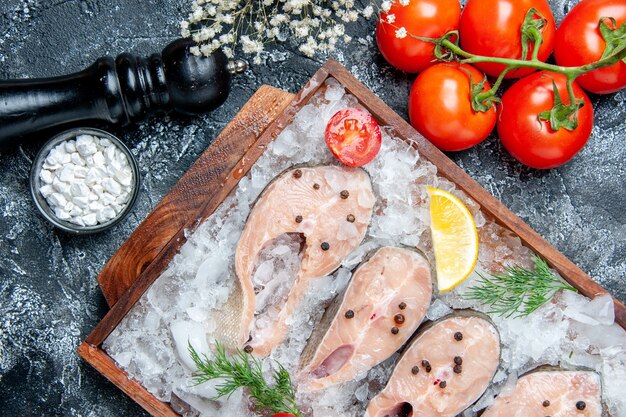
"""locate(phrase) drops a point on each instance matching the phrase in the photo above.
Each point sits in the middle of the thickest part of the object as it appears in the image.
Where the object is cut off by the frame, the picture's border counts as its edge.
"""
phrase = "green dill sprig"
(518, 291)
(244, 370)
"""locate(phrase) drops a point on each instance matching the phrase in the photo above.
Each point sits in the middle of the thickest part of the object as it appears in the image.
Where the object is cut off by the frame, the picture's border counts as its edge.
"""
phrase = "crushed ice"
(150, 343)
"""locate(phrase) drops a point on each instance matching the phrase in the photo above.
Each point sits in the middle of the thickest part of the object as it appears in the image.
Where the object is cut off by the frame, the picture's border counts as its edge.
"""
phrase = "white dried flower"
(385, 6)
(391, 18)
(401, 33)
(368, 12)
(318, 25)
(404, 2)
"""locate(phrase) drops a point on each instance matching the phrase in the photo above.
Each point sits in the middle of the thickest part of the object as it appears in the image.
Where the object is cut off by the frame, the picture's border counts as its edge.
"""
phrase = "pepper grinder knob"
(117, 91)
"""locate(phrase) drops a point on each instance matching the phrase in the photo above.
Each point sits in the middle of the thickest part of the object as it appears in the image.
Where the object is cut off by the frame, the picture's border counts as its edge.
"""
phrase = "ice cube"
(334, 90)
(187, 333)
(599, 311)
(361, 392)
(437, 310)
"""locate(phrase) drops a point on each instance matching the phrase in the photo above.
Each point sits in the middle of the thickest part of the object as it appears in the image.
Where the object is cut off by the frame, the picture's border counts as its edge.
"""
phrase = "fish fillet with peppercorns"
(328, 208)
(555, 393)
(444, 370)
(382, 307)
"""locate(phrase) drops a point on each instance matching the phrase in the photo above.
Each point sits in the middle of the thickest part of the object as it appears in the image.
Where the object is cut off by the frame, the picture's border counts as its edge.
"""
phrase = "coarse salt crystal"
(61, 214)
(98, 159)
(107, 199)
(46, 176)
(58, 199)
(46, 190)
(67, 173)
(82, 202)
(90, 219)
(76, 211)
(80, 172)
(70, 146)
(77, 160)
(112, 186)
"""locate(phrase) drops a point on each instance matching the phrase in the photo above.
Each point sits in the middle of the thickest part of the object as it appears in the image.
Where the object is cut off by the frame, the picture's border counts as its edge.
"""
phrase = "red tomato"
(578, 42)
(532, 141)
(353, 136)
(426, 18)
(440, 107)
(493, 28)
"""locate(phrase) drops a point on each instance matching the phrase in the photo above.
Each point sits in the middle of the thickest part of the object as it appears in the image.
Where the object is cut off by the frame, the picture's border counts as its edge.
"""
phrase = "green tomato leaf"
(562, 115)
(531, 29)
(614, 37)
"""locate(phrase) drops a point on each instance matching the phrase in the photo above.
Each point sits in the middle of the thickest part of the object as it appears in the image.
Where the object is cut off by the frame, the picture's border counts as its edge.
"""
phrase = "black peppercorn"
(426, 365)
(546, 403)
(298, 219)
(344, 194)
(248, 349)
(581, 405)
(395, 330)
(349, 314)
(351, 218)
(457, 369)
(297, 173)
(325, 245)
(415, 370)
(316, 186)
(458, 360)
(443, 384)
(398, 318)
(402, 305)
(458, 336)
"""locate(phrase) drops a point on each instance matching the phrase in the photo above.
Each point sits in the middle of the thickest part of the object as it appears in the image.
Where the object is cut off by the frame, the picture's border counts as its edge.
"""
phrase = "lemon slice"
(455, 239)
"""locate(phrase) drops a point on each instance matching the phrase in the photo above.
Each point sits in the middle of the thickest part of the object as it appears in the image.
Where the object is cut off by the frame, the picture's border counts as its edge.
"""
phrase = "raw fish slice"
(330, 207)
(413, 391)
(551, 393)
(390, 290)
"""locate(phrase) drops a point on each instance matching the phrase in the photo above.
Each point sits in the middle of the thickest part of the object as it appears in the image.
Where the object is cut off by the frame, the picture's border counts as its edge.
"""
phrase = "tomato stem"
(534, 63)
(485, 96)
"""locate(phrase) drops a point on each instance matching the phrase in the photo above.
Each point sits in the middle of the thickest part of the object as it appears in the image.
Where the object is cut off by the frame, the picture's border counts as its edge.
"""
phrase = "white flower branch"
(316, 25)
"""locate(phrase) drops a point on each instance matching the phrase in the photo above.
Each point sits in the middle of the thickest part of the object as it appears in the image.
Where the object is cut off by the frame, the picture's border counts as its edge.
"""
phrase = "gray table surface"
(49, 298)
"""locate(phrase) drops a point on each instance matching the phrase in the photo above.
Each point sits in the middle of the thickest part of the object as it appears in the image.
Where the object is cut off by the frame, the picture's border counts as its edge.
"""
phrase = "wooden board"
(200, 182)
(147, 269)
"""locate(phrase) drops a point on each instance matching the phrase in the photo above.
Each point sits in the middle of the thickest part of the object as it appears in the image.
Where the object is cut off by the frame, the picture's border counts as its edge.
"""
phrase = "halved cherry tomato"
(425, 18)
(440, 107)
(532, 141)
(578, 42)
(353, 136)
(492, 28)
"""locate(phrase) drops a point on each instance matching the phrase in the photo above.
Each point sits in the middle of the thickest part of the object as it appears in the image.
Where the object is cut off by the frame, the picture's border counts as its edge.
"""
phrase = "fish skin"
(324, 215)
(563, 388)
(389, 277)
(436, 344)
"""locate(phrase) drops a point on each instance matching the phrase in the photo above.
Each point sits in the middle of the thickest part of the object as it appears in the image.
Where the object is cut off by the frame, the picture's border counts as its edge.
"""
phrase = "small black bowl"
(42, 204)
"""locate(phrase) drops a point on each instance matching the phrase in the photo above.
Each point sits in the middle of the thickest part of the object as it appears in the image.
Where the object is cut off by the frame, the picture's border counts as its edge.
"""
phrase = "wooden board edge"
(446, 167)
(113, 282)
(106, 366)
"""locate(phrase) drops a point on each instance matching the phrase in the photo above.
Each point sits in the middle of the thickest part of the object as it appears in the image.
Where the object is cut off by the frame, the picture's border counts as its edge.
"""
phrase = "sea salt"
(571, 330)
(76, 174)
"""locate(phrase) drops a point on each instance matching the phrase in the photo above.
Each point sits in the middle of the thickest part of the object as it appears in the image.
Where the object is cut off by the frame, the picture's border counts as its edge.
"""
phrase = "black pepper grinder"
(117, 91)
